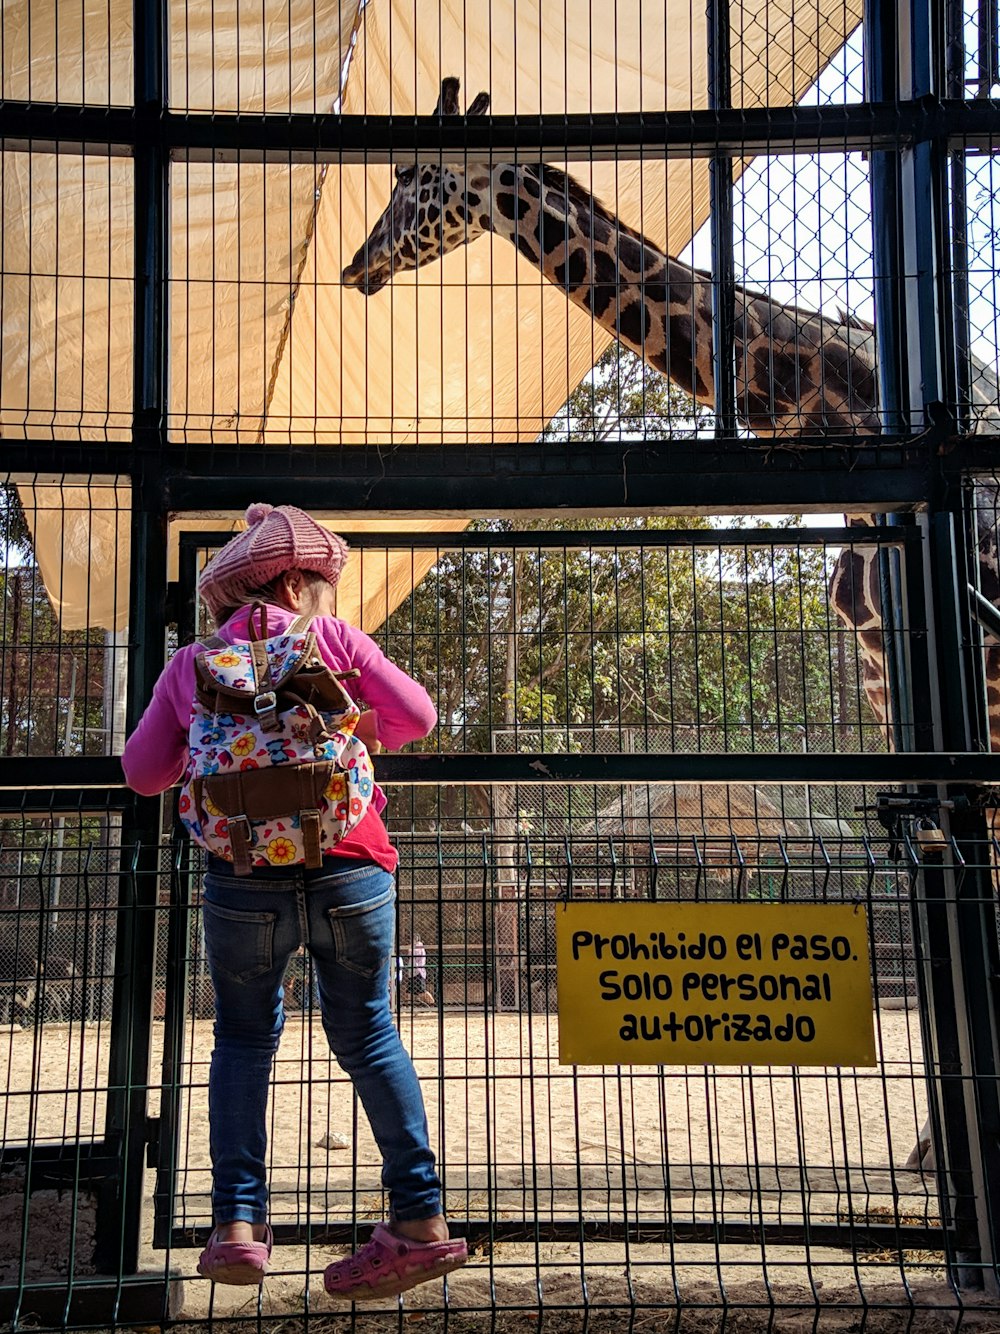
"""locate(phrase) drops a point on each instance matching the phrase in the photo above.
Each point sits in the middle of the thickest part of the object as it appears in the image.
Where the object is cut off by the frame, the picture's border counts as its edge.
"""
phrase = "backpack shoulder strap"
(299, 626)
(260, 610)
(213, 643)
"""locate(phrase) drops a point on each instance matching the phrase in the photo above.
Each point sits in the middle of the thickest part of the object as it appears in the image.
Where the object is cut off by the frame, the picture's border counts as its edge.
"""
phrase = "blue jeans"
(346, 919)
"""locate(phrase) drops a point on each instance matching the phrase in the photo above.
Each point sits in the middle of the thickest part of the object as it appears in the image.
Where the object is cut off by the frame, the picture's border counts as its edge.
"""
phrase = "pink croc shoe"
(389, 1264)
(236, 1262)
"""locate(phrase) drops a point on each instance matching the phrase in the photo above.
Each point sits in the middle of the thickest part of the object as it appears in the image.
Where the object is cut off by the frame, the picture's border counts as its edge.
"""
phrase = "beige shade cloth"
(81, 536)
(273, 55)
(479, 348)
(265, 344)
(373, 583)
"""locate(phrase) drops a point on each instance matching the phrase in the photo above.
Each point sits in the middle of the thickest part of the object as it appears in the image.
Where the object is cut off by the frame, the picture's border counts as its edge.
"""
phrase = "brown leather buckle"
(239, 841)
(311, 826)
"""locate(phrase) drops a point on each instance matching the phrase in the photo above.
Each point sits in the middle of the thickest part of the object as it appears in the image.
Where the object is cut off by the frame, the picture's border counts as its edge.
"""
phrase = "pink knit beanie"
(276, 540)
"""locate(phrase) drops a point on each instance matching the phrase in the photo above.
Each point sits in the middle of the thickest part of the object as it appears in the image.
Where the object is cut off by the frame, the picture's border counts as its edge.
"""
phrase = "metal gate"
(639, 1157)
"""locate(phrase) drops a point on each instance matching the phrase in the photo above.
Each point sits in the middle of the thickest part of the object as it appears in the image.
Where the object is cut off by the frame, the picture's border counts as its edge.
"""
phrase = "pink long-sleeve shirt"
(156, 754)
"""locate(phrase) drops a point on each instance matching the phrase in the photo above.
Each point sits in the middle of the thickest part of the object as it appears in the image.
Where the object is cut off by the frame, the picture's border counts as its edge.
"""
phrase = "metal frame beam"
(683, 477)
(586, 539)
(595, 481)
(860, 1235)
(723, 767)
(203, 137)
(120, 1207)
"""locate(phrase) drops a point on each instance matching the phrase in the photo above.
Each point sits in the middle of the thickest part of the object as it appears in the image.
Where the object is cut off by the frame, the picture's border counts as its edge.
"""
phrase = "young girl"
(342, 912)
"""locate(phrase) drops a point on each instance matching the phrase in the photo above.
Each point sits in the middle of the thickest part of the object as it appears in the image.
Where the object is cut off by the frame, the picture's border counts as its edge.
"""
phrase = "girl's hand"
(365, 732)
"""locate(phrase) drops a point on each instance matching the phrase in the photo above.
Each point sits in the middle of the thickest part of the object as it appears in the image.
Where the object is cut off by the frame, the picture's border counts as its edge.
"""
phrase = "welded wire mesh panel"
(74, 1079)
(66, 266)
(59, 892)
(634, 56)
(727, 1162)
(271, 336)
(603, 636)
(58, 932)
(233, 291)
(463, 302)
(978, 288)
(325, 317)
(668, 639)
(63, 633)
(76, 51)
(280, 57)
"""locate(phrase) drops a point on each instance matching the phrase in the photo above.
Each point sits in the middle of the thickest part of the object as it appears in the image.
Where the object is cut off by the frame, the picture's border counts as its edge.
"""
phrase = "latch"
(891, 809)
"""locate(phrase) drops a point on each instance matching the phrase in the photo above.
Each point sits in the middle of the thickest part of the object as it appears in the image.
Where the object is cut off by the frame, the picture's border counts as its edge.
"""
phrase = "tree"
(52, 693)
(51, 680)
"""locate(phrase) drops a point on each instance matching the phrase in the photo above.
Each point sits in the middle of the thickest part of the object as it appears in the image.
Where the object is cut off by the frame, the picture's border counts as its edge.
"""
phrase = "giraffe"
(798, 372)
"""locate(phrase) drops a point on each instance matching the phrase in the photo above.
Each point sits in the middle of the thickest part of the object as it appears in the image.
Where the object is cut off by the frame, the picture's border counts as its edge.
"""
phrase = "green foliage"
(14, 532)
(44, 670)
(623, 398)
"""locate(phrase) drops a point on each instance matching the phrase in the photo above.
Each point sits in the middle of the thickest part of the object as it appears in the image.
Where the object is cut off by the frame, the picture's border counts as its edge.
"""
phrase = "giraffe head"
(428, 213)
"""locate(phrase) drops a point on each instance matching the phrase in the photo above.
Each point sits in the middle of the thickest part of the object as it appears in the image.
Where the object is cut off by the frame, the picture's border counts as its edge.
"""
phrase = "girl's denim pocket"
(238, 942)
(363, 933)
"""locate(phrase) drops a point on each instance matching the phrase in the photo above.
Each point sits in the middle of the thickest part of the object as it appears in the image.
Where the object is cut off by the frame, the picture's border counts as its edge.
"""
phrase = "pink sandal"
(389, 1264)
(236, 1262)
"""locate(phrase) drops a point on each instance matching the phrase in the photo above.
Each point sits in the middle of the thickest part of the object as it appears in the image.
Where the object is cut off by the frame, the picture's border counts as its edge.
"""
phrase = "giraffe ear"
(448, 101)
(480, 106)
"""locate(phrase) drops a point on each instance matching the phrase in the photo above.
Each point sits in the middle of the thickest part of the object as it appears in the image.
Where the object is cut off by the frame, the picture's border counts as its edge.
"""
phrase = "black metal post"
(882, 61)
(882, 84)
(961, 325)
(176, 984)
(906, 62)
(947, 1054)
(178, 972)
(723, 266)
(132, 1004)
(955, 928)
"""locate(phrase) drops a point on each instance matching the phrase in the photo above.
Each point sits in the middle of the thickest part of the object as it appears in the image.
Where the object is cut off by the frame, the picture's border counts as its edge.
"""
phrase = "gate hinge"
(152, 1141)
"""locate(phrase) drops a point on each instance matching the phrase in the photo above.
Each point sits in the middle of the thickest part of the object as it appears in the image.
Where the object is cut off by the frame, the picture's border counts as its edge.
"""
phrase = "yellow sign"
(714, 984)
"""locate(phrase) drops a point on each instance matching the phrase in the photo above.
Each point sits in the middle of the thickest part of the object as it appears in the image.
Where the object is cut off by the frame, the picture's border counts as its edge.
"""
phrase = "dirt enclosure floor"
(521, 1138)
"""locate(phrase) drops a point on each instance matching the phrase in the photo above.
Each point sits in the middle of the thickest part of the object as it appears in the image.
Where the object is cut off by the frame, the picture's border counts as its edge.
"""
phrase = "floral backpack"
(275, 773)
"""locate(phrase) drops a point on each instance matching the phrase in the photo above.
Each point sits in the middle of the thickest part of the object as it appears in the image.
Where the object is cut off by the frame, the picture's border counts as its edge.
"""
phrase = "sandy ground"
(506, 1117)
(521, 1137)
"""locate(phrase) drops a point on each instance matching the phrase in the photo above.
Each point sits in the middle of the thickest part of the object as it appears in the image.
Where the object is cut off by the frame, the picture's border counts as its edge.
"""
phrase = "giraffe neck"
(797, 372)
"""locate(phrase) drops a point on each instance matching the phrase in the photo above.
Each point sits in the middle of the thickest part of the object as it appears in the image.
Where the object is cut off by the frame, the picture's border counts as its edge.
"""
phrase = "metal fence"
(731, 1186)
(656, 389)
